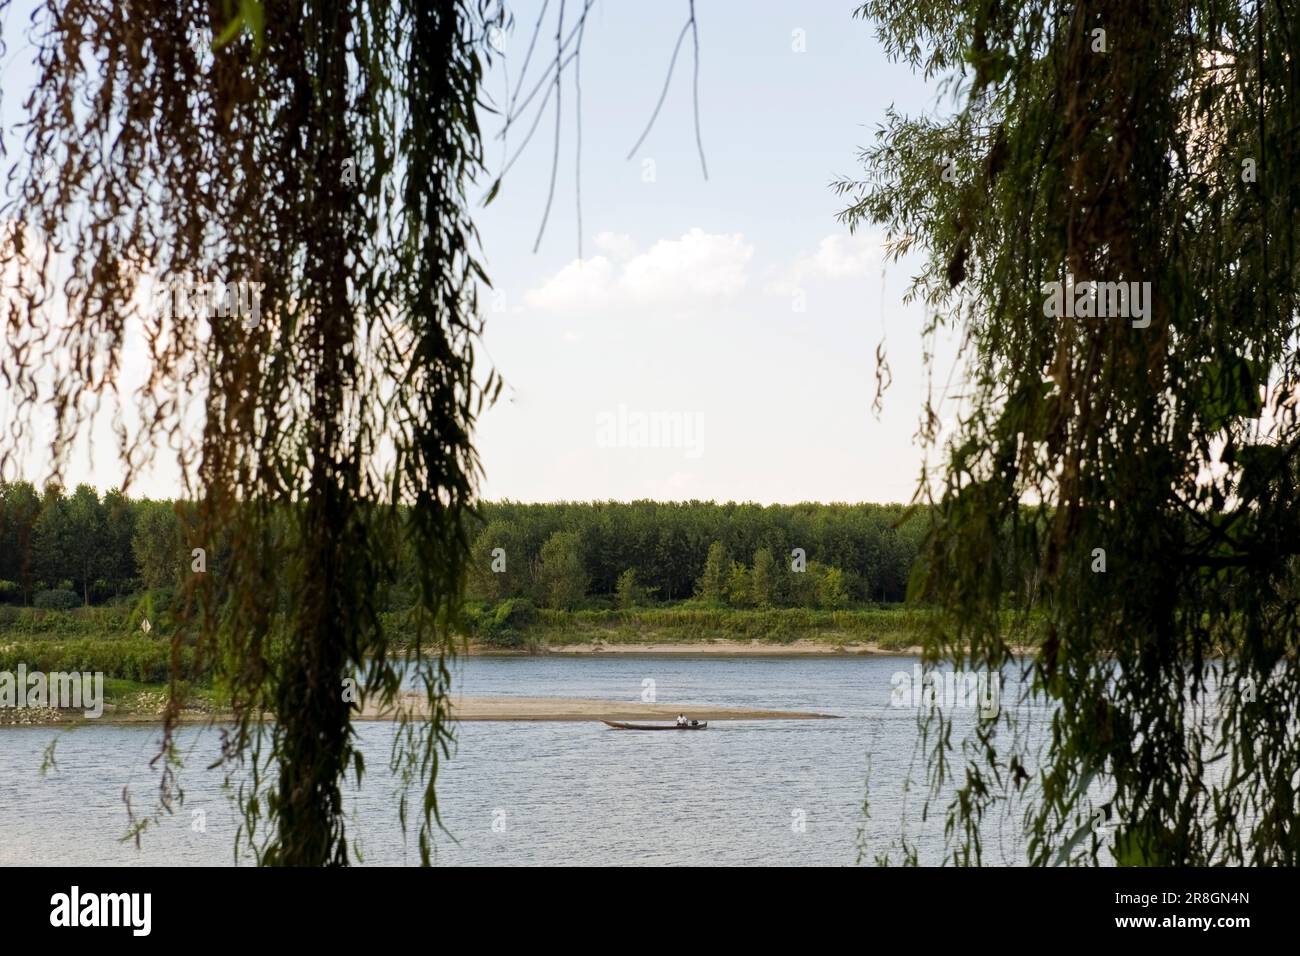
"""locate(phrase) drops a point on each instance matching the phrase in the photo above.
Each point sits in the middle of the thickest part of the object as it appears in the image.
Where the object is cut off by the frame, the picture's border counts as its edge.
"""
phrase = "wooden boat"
(620, 725)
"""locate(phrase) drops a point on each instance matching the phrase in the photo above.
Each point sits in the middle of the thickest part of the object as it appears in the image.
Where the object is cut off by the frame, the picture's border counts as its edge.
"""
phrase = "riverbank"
(578, 709)
(114, 639)
(125, 701)
(137, 664)
(133, 701)
(692, 627)
(147, 707)
(715, 648)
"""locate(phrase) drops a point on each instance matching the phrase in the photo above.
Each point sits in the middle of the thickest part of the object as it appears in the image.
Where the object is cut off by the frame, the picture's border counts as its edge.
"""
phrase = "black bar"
(359, 905)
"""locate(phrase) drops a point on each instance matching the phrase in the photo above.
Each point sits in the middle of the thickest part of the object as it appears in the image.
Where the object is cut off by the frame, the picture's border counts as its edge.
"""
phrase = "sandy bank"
(463, 708)
(568, 708)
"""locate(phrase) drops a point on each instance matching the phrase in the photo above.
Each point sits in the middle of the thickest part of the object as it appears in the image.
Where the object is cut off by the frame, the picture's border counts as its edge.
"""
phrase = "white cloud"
(582, 285)
(683, 272)
(838, 256)
(616, 245)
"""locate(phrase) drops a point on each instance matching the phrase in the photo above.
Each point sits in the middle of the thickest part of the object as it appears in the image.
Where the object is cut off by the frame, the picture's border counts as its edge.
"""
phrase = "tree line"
(60, 549)
(745, 555)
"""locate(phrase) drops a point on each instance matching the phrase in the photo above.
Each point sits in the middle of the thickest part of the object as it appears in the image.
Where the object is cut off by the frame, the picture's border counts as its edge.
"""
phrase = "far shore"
(719, 648)
(462, 709)
(142, 703)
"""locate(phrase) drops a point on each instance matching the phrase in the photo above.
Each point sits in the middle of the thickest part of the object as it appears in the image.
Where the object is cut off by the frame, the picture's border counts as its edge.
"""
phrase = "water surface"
(558, 793)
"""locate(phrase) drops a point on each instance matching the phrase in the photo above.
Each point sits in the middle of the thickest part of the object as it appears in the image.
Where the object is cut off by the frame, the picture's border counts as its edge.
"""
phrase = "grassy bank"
(111, 640)
(890, 628)
(30, 623)
(107, 640)
(124, 700)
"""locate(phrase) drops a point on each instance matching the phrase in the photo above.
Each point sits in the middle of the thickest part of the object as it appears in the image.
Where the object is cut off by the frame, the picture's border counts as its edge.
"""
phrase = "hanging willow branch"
(1114, 141)
(321, 151)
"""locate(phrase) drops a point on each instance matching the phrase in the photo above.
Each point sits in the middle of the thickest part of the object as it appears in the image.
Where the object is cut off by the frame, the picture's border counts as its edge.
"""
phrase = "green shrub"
(57, 599)
(504, 625)
(10, 592)
(91, 622)
(164, 599)
(138, 659)
(515, 612)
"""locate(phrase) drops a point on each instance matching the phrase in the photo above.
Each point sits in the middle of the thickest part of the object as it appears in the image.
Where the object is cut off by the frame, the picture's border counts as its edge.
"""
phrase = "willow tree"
(318, 156)
(1143, 454)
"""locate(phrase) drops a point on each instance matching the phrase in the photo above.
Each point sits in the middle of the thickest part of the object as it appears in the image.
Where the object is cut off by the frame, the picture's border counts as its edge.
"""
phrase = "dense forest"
(60, 550)
(746, 555)
(64, 550)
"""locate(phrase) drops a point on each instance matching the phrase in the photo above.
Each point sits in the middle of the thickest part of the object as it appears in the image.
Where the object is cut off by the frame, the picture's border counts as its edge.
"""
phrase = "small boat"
(619, 725)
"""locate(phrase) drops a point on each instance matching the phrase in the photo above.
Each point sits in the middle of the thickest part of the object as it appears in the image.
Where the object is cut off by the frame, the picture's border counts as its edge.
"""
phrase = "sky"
(690, 338)
(736, 303)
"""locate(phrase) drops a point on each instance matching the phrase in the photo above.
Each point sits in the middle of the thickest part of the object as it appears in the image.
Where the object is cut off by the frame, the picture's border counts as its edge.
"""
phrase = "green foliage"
(147, 544)
(328, 161)
(737, 587)
(37, 623)
(562, 578)
(142, 538)
(505, 625)
(57, 599)
(893, 628)
(763, 579)
(668, 542)
(629, 592)
(498, 562)
(138, 659)
(831, 591)
(118, 529)
(88, 549)
(80, 540)
(157, 546)
(54, 546)
(712, 586)
(19, 510)
(251, 16)
(1173, 679)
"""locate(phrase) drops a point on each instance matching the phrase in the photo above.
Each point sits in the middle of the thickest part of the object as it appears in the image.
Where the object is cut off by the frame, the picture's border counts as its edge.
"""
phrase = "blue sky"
(732, 320)
(685, 301)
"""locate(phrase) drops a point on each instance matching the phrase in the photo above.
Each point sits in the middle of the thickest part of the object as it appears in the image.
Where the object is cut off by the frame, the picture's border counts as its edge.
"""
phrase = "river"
(556, 793)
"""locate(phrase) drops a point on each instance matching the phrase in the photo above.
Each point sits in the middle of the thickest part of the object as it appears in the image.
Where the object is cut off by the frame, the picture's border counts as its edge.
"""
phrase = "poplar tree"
(762, 580)
(712, 584)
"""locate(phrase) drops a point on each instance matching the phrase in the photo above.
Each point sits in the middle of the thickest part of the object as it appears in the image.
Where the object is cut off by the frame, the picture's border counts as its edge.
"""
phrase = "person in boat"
(681, 720)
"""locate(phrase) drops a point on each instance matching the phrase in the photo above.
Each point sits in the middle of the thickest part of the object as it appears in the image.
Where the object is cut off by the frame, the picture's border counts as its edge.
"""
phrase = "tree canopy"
(312, 161)
(1151, 144)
